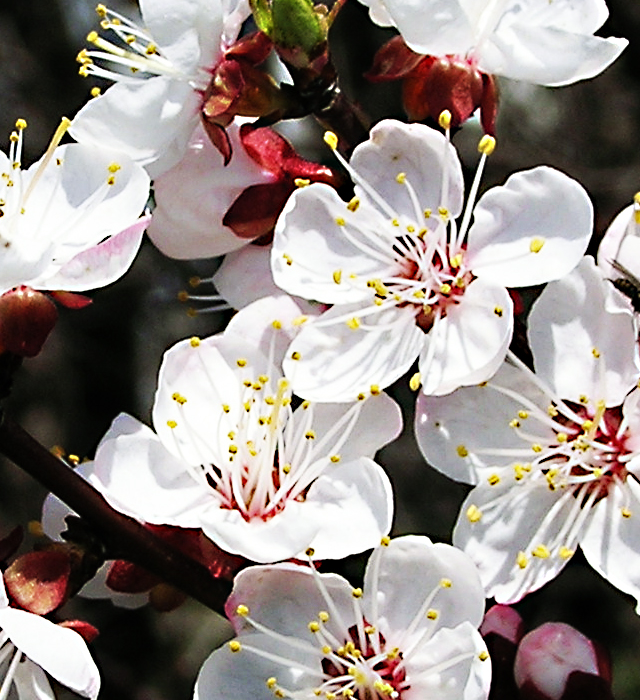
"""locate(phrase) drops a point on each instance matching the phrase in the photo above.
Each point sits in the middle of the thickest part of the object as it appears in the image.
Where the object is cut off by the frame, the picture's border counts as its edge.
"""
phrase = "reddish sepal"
(26, 319)
(71, 300)
(38, 581)
(84, 629)
(393, 60)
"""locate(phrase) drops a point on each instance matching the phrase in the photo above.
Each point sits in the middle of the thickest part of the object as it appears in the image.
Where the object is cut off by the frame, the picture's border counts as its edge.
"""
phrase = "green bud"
(297, 25)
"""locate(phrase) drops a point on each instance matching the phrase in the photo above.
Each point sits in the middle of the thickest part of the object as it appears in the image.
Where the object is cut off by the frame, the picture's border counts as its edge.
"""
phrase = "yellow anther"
(226, 408)
(73, 459)
(446, 582)
(305, 405)
(487, 145)
(565, 553)
(520, 471)
(95, 91)
(541, 551)
(432, 614)
(456, 261)
(626, 513)
(514, 423)
(369, 629)
(172, 424)
(584, 399)
(474, 514)
(242, 610)
(340, 221)
(357, 592)
(419, 294)
(552, 411)
(295, 355)
(462, 451)
(353, 204)
(179, 398)
(92, 36)
(247, 406)
(523, 414)
(111, 180)
(271, 682)
(498, 311)
(427, 213)
(521, 560)
(286, 468)
(114, 167)
(536, 245)
(313, 627)
(299, 320)
(233, 449)
(241, 362)
(323, 616)
(595, 352)
(562, 437)
(21, 124)
(310, 551)
(194, 342)
(414, 382)
(536, 447)
(483, 656)
(288, 259)
(411, 229)
(151, 50)
(374, 389)
(401, 178)
(493, 480)
(235, 645)
(326, 649)
(385, 541)
(393, 653)
(310, 435)
(445, 288)
(445, 119)
(444, 212)
(331, 140)
(335, 458)
(353, 323)
(337, 276)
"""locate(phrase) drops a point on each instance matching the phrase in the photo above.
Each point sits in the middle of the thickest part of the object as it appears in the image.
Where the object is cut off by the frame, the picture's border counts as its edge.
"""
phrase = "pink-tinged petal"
(511, 529)
(463, 433)
(421, 154)
(611, 539)
(548, 55)
(59, 651)
(533, 229)
(330, 361)
(352, 506)
(285, 535)
(582, 336)
(412, 558)
(245, 276)
(32, 682)
(101, 265)
(547, 655)
(200, 396)
(261, 588)
(468, 345)
(324, 251)
(120, 119)
(366, 426)
(193, 196)
(458, 654)
(139, 477)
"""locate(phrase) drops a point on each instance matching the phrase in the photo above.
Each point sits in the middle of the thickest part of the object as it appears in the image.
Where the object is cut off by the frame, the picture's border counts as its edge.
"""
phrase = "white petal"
(337, 363)
(457, 673)
(283, 536)
(621, 243)
(423, 155)
(470, 341)
(286, 597)
(245, 276)
(433, 27)
(120, 118)
(352, 504)
(548, 55)
(530, 230)
(98, 266)
(378, 421)
(140, 478)
(193, 197)
(611, 540)
(499, 521)
(208, 376)
(226, 675)
(61, 652)
(411, 568)
(463, 433)
(315, 257)
(583, 338)
(32, 682)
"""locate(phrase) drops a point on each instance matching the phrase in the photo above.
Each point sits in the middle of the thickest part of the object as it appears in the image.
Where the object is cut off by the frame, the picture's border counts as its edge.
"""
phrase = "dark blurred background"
(103, 360)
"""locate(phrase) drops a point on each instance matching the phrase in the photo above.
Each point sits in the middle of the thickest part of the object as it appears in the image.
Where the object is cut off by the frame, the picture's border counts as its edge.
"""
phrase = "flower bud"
(556, 662)
(26, 319)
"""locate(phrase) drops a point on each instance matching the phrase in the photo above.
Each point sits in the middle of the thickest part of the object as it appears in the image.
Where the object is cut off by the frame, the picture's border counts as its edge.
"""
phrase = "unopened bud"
(26, 319)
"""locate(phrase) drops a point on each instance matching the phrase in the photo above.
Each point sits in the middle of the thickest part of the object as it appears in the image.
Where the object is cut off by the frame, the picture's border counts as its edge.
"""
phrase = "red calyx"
(26, 319)
(432, 84)
(38, 581)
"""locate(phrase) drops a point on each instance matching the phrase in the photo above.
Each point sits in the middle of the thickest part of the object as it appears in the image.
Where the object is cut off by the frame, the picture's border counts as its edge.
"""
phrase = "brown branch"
(118, 532)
